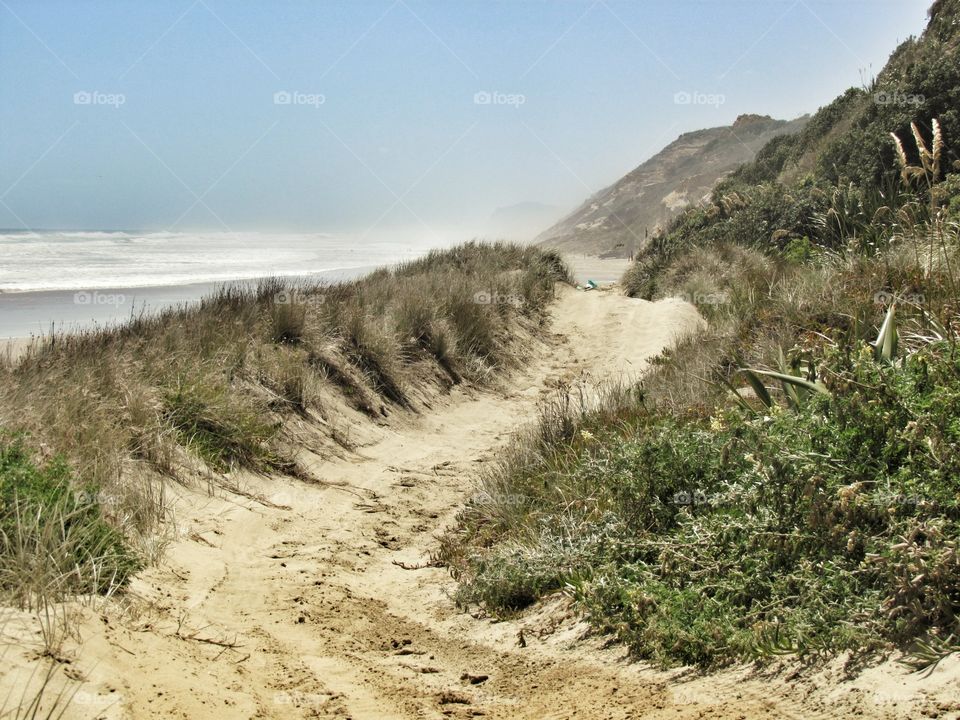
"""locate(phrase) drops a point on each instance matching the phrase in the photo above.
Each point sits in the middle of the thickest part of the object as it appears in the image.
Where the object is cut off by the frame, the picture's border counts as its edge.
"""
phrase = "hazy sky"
(336, 115)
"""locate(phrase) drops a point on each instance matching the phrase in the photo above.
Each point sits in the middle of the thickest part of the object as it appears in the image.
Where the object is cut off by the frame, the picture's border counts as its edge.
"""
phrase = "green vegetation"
(787, 481)
(210, 389)
(223, 429)
(54, 538)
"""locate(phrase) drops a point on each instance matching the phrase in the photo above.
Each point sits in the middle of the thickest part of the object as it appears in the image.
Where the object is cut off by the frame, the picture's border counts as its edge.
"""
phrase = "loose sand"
(316, 602)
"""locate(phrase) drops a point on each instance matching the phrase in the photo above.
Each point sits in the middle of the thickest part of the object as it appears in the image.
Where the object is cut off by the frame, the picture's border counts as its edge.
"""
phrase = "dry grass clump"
(507, 500)
(760, 305)
(372, 345)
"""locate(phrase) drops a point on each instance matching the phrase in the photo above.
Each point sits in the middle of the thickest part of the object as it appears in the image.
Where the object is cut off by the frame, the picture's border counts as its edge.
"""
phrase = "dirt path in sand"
(305, 610)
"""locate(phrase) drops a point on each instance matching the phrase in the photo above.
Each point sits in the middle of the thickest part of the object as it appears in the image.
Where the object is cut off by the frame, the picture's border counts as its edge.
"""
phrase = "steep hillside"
(615, 221)
(872, 164)
(784, 483)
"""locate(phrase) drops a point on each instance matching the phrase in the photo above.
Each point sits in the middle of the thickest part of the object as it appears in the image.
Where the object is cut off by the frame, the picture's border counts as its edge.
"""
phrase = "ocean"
(75, 280)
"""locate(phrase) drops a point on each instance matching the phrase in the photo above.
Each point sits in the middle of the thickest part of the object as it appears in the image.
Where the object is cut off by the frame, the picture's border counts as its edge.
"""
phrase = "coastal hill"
(615, 221)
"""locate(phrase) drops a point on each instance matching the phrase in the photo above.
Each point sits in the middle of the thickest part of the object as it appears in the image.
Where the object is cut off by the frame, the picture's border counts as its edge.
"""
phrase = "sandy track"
(305, 610)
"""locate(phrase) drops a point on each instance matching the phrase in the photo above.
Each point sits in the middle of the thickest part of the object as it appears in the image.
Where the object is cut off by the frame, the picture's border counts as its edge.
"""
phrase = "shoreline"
(300, 276)
(31, 314)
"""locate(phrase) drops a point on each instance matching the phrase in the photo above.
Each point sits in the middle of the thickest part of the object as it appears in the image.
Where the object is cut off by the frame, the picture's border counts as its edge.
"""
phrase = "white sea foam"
(110, 259)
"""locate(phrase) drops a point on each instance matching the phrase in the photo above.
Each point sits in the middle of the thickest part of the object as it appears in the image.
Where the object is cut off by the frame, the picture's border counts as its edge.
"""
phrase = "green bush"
(827, 528)
(699, 530)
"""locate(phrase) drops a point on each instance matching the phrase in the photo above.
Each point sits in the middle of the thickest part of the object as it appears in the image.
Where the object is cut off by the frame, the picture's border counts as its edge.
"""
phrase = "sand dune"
(319, 600)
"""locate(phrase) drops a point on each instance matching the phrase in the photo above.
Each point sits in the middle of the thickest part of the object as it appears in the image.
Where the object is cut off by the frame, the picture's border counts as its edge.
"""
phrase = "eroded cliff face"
(618, 220)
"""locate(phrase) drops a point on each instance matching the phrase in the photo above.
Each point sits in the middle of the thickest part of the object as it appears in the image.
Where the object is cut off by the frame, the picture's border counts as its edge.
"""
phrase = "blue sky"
(334, 116)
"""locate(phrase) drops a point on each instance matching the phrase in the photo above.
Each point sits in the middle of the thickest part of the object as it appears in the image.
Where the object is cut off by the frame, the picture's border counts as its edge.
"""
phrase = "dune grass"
(108, 416)
(54, 538)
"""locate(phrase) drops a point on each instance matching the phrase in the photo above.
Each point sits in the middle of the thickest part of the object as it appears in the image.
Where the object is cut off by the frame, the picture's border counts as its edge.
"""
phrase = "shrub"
(826, 528)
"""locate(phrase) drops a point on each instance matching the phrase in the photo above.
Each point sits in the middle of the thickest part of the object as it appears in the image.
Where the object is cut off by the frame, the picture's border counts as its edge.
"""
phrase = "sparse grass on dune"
(115, 412)
(54, 538)
(759, 304)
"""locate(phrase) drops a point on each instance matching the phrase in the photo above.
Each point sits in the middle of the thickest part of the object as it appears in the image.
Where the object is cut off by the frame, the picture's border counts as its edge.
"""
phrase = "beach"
(600, 270)
(446, 361)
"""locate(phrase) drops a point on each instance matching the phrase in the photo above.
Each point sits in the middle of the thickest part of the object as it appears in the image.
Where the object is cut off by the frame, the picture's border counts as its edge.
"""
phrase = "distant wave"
(76, 260)
(94, 234)
(167, 281)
